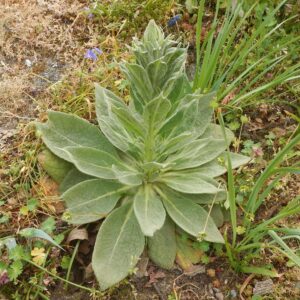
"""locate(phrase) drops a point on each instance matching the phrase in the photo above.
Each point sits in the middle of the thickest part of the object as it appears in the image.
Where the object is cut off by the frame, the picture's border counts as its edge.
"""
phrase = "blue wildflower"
(93, 53)
(172, 22)
(90, 15)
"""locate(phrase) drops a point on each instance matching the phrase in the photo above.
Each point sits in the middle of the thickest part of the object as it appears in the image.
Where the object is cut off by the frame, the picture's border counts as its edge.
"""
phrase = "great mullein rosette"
(149, 169)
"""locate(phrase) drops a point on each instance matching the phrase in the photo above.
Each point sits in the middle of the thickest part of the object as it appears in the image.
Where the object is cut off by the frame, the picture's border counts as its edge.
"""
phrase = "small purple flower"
(172, 22)
(93, 53)
(89, 14)
(99, 51)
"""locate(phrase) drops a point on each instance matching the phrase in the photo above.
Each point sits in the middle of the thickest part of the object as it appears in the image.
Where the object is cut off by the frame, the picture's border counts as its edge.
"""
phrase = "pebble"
(233, 293)
(211, 273)
(28, 63)
(219, 296)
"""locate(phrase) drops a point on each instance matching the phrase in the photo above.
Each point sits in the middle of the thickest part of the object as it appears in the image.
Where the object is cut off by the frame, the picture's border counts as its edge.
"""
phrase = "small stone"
(216, 283)
(263, 287)
(210, 290)
(28, 63)
(233, 294)
(219, 296)
(211, 273)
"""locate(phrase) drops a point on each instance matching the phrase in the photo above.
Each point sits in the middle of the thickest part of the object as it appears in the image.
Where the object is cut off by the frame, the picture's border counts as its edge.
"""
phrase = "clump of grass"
(234, 60)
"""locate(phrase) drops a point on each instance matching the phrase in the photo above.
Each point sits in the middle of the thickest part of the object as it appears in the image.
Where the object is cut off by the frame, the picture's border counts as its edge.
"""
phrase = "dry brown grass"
(37, 40)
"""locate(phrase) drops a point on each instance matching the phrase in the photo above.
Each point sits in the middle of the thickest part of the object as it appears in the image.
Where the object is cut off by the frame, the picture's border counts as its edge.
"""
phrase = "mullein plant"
(149, 169)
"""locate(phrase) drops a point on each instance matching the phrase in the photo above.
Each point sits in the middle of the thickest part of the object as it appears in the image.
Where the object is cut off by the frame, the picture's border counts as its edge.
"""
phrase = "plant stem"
(71, 263)
(58, 277)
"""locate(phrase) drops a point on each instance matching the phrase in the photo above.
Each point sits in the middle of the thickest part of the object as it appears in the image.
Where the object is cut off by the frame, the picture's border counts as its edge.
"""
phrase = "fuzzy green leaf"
(193, 115)
(199, 156)
(149, 210)
(139, 80)
(64, 130)
(73, 177)
(162, 246)
(38, 233)
(191, 217)
(110, 125)
(217, 166)
(156, 110)
(119, 244)
(157, 70)
(92, 200)
(189, 184)
(56, 167)
(93, 162)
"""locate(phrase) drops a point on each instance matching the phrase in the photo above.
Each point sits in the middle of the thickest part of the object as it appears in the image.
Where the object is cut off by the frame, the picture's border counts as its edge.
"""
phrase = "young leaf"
(139, 80)
(162, 246)
(15, 269)
(112, 127)
(156, 110)
(119, 244)
(92, 200)
(149, 210)
(48, 225)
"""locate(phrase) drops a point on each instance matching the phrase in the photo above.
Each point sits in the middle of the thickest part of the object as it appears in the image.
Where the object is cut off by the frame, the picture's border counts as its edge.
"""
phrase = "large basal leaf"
(149, 210)
(188, 151)
(189, 184)
(94, 162)
(162, 246)
(187, 254)
(73, 177)
(217, 215)
(92, 200)
(119, 244)
(56, 167)
(65, 130)
(191, 217)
